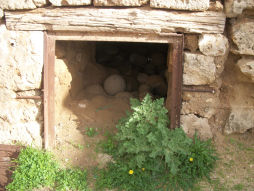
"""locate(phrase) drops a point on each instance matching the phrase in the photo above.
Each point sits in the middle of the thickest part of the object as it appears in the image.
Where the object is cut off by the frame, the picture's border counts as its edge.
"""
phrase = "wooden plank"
(134, 20)
(7, 154)
(116, 37)
(12, 148)
(177, 76)
(49, 91)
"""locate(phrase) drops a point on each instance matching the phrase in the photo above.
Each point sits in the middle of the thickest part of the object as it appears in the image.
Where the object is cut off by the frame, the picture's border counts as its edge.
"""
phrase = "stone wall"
(238, 75)
(204, 58)
(21, 61)
(224, 62)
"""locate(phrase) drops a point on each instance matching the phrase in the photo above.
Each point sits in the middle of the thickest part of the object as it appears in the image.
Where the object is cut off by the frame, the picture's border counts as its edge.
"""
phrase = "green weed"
(91, 132)
(238, 187)
(149, 156)
(37, 168)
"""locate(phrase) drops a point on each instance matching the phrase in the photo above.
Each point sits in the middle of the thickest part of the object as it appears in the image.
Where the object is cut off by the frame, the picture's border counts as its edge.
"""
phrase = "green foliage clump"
(37, 168)
(71, 179)
(149, 156)
(91, 132)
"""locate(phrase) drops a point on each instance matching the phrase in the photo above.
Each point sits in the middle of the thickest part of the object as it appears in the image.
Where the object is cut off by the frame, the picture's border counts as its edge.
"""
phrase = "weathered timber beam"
(132, 20)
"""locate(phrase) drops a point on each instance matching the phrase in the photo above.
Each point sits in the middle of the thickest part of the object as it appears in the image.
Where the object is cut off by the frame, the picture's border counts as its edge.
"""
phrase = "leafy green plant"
(108, 145)
(149, 156)
(71, 179)
(37, 168)
(91, 132)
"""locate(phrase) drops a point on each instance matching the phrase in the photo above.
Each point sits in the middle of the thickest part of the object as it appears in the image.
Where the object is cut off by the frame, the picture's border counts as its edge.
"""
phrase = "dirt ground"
(235, 168)
(79, 130)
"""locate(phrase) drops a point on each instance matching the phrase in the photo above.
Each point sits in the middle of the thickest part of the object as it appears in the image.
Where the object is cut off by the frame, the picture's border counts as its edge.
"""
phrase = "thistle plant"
(150, 156)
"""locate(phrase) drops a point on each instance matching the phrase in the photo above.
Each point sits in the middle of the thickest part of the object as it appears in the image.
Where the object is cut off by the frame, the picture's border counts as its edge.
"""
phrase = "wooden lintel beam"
(128, 20)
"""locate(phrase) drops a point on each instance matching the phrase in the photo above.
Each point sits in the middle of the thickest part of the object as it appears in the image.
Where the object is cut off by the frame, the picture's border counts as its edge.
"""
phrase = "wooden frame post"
(177, 80)
(49, 91)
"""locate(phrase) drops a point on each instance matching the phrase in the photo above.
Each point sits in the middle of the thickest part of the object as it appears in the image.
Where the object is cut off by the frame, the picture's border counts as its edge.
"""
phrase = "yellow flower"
(191, 159)
(143, 169)
(131, 171)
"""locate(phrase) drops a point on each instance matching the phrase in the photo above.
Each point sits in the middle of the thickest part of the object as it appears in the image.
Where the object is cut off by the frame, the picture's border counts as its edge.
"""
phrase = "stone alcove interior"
(84, 100)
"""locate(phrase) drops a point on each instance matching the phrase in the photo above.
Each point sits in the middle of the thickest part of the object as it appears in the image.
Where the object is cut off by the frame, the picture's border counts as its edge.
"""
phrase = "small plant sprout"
(91, 132)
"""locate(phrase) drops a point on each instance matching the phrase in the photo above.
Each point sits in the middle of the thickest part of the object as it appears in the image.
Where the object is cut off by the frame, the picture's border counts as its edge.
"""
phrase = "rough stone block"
(20, 120)
(17, 4)
(242, 34)
(216, 6)
(191, 42)
(240, 120)
(213, 44)
(26, 133)
(233, 8)
(246, 66)
(192, 123)
(1, 13)
(40, 3)
(194, 5)
(202, 104)
(21, 59)
(70, 2)
(198, 69)
(119, 2)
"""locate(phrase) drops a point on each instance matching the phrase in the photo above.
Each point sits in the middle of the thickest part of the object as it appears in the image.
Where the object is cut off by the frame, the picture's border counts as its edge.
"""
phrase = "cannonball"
(142, 78)
(114, 84)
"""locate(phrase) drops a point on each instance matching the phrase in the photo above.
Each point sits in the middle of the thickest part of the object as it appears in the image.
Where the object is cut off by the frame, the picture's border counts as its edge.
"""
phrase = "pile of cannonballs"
(138, 68)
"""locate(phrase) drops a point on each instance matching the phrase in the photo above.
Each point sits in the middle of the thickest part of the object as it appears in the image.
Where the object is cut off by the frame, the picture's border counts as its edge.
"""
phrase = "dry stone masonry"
(17, 4)
(234, 8)
(242, 34)
(21, 62)
(215, 56)
(198, 69)
(120, 2)
(70, 2)
(194, 5)
(246, 66)
(1, 13)
(240, 64)
(213, 45)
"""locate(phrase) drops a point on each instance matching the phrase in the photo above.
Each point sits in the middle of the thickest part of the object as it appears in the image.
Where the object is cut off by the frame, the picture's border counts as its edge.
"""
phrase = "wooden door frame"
(175, 42)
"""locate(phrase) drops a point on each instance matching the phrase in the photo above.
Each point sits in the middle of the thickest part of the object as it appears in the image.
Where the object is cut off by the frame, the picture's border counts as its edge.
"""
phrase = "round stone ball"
(114, 84)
